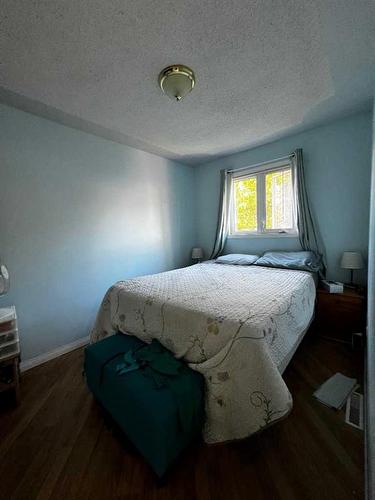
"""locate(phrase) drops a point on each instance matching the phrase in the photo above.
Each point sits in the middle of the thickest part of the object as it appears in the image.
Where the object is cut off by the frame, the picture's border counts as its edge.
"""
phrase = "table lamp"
(352, 261)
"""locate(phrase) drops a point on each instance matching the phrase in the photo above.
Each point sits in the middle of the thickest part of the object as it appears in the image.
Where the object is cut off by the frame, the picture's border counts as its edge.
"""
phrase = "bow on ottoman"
(156, 362)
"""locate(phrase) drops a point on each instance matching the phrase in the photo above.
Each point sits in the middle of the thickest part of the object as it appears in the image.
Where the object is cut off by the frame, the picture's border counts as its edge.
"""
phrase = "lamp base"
(351, 284)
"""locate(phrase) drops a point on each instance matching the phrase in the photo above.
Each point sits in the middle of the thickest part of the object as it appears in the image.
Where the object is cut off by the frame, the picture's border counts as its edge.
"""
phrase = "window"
(263, 201)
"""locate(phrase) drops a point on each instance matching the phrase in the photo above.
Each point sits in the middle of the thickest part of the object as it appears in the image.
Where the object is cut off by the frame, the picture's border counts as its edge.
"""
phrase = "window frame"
(260, 173)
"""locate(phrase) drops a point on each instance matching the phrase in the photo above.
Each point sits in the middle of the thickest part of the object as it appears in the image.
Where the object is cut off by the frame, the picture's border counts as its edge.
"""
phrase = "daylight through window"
(262, 201)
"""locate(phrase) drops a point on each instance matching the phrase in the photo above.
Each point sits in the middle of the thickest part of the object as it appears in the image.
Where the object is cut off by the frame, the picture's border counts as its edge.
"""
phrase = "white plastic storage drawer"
(7, 326)
(7, 313)
(8, 337)
(11, 349)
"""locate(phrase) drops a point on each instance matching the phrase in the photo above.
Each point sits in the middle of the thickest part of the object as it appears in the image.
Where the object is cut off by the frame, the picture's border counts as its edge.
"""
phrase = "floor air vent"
(354, 410)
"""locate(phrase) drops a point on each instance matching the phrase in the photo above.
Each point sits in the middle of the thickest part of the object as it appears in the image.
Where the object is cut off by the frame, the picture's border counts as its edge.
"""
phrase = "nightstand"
(9, 351)
(339, 315)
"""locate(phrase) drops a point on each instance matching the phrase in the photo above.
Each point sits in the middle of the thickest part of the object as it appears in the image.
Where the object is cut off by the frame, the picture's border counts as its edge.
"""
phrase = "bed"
(237, 325)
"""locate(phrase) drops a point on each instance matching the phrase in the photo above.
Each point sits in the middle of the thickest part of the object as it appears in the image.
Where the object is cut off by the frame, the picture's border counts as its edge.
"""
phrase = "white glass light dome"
(177, 81)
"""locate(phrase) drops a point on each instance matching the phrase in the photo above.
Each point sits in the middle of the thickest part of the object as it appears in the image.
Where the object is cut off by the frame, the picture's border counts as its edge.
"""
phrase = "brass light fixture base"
(176, 81)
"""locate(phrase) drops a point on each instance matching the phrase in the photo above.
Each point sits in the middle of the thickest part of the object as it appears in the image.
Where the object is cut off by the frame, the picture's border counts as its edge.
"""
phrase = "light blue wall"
(338, 164)
(78, 213)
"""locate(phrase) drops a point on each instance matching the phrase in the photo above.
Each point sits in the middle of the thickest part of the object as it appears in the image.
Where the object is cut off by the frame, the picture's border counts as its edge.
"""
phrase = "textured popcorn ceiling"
(264, 68)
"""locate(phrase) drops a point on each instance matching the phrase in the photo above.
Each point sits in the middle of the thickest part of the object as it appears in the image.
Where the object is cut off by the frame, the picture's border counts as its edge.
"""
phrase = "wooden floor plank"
(58, 445)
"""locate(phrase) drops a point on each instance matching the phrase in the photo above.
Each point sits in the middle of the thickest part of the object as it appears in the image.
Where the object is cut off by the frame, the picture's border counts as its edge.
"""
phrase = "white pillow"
(237, 259)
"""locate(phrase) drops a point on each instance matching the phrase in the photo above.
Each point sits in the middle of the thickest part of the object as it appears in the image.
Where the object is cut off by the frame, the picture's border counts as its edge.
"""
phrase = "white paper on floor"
(336, 390)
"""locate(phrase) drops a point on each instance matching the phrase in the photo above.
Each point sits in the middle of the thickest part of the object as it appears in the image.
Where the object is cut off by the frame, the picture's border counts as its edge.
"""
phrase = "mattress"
(237, 325)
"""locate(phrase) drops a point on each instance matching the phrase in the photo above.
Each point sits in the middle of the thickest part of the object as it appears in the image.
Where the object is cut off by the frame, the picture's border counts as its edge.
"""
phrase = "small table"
(9, 351)
(340, 315)
(12, 380)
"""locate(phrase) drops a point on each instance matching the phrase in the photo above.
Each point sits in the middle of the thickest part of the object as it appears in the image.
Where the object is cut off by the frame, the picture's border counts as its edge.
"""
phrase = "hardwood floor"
(57, 444)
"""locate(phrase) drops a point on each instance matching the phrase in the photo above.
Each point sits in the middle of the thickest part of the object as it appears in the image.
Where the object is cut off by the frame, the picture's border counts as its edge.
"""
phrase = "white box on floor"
(333, 286)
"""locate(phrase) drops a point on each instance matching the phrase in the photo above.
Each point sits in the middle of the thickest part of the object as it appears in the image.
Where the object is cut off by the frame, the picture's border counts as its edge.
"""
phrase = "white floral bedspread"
(234, 324)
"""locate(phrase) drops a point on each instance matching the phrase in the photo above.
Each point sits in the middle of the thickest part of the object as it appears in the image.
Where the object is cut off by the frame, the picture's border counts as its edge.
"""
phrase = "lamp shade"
(197, 253)
(351, 260)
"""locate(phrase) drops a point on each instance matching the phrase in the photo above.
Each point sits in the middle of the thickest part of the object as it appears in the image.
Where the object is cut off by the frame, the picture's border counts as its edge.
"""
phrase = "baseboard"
(55, 353)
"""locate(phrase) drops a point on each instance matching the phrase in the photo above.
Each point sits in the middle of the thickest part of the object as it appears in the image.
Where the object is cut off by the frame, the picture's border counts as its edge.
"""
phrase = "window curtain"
(223, 218)
(309, 236)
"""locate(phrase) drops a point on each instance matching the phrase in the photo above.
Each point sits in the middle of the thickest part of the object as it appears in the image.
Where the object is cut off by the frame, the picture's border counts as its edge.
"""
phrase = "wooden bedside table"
(339, 315)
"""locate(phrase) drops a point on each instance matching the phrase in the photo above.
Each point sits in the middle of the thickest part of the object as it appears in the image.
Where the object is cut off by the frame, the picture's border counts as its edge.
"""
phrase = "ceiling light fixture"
(176, 81)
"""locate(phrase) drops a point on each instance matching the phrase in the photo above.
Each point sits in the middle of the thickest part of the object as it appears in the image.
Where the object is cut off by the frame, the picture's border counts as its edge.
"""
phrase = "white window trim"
(262, 232)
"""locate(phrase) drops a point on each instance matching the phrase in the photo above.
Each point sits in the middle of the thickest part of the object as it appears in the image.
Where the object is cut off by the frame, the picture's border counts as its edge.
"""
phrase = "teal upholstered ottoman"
(160, 413)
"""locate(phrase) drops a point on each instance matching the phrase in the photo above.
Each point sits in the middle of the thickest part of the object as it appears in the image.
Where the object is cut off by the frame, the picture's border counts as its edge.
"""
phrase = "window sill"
(263, 235)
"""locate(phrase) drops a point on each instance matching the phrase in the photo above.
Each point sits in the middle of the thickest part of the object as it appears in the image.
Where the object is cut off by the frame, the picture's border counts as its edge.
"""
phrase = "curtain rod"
(261, 164)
